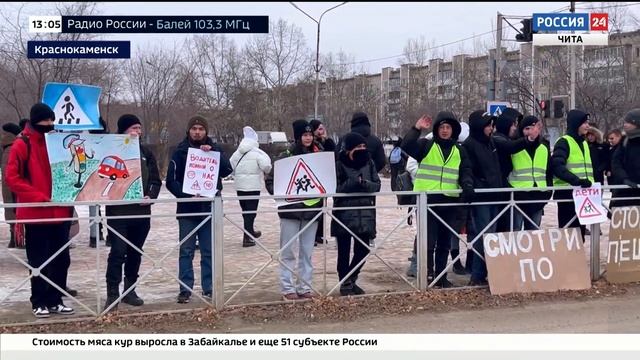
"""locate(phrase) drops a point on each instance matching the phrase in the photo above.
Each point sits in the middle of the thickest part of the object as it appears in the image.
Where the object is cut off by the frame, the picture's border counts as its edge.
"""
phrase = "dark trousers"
(134, 230)
(42, 241)
(439, 239)
(249, 205)
(344, 253)
(566, 211)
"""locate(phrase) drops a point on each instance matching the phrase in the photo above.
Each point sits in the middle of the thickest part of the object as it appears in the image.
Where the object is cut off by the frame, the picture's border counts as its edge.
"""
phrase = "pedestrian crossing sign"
(496, 108)
(75, 105)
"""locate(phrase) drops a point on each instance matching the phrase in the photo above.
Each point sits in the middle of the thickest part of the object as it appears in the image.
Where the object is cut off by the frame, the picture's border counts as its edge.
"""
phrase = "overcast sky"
(364, 30)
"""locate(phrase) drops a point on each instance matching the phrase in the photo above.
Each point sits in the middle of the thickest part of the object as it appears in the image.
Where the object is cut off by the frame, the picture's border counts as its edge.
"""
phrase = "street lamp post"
(317, 68)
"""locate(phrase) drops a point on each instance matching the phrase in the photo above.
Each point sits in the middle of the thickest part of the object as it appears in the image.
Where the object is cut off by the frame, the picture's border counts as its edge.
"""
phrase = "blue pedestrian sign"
(496, 108)
(75, 106)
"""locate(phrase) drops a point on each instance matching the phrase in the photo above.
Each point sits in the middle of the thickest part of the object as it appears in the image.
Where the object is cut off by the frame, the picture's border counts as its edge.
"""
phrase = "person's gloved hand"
(585, 183)
(467, 195)
(630, 184)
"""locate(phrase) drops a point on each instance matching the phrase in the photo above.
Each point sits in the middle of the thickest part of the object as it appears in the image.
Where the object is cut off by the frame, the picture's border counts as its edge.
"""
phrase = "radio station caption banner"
(536, 261)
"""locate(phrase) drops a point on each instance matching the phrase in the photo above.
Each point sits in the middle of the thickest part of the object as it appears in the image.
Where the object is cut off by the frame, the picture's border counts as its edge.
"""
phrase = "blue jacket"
(175, 175)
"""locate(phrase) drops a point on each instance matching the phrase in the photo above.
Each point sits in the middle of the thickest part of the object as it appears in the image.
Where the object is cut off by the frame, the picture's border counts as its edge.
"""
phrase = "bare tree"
(22, 79)
(278, 59)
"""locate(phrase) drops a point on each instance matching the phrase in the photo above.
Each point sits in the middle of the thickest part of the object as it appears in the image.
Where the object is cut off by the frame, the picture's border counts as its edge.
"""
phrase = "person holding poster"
(292, 222)
(625, 165)
(197, 138)
(444, 165)
(355, 173)
(29, 178)
(571, 164)
(531, 167)
(249, 164)
(134, 230)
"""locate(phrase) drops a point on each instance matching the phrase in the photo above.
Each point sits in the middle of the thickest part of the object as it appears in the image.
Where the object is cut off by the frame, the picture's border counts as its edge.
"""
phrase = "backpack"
(396, 156)
(404, 183)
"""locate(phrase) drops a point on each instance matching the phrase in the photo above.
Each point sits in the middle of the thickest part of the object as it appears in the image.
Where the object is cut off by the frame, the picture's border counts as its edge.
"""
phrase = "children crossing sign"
(75, 106)
(303, 179)
(309, 174)
(588, 205)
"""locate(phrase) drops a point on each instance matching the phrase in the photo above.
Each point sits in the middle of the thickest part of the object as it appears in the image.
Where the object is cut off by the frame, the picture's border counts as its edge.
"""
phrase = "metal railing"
(218, 214)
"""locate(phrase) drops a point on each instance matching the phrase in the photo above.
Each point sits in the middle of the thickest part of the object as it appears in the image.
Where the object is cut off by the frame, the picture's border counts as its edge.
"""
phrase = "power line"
(418, 51)
(609, 7)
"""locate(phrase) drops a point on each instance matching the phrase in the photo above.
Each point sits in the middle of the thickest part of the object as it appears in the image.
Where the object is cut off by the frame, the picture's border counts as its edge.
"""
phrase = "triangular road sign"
(588, 209)
(195, 186)
(303, 181)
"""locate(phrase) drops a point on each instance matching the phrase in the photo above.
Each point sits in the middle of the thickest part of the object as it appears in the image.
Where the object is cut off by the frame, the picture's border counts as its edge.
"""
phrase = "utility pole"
(572, 99)
(498, 73)
(317, 67)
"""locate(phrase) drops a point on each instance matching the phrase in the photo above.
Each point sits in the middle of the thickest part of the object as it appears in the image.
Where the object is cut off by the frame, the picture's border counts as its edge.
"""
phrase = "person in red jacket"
(29, 178)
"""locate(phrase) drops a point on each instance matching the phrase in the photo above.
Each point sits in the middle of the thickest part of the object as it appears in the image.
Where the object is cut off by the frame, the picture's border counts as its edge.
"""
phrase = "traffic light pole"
(498, 73)
(572, 100)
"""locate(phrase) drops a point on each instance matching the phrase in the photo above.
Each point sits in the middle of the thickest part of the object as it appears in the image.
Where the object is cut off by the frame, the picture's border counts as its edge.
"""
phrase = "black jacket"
(374, 145)
(151, 184)
(599, 160)
(483, 157)
(175, 176)
(295, 149)
(625, 165)
(361, 222)
(419, 148)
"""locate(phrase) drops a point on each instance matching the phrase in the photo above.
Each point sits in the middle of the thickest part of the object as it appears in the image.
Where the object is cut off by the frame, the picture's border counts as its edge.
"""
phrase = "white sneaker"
(61, 309)
(41, 312)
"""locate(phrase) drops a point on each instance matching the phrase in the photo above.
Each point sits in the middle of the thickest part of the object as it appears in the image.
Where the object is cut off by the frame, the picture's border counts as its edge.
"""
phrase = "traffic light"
(558, 109)
(546, 108)
(526, 33)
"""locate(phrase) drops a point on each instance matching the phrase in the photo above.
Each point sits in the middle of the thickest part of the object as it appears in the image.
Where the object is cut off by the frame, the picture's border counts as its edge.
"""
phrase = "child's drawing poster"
(94, 167)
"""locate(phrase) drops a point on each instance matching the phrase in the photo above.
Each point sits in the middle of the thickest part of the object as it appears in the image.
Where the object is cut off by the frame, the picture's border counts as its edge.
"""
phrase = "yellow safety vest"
(578, 163)
(529, 172)
(436, 173)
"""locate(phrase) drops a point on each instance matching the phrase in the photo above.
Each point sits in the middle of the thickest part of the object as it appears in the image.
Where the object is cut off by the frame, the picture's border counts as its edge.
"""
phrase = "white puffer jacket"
(249, 172)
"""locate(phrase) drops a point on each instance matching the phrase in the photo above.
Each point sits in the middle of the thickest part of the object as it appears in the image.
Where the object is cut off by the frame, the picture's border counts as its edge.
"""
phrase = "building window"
(638, 52)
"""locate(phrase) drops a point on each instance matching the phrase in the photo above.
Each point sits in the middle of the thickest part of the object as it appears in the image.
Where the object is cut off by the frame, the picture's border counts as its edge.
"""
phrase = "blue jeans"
(519, 220)
(481, 216)
(187, 250)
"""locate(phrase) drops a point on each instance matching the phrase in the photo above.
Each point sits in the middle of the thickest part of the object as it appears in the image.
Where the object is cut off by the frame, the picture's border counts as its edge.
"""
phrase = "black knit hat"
(528, 120)
(633, 117)
(126, 121)
(359, 119)
(12, 128)
(300, 127)
(353, 139)
(575, 118)
(39, 112)
(315, 124)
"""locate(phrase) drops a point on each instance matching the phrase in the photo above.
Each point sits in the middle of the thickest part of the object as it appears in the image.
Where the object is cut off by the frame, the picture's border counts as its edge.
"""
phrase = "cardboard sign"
(623, 261)
(536, 261)
(86, 167)
(201, 173)
(75, 106)
(588, 205)
(304, 175)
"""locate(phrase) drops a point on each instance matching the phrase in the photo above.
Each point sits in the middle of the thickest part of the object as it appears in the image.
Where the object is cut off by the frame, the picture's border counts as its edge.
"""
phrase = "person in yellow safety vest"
(443, 166)
(571, 164)
(531, 168)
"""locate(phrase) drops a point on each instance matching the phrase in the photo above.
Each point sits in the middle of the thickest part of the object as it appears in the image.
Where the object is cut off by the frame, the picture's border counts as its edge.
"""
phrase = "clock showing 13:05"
(45, 24)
